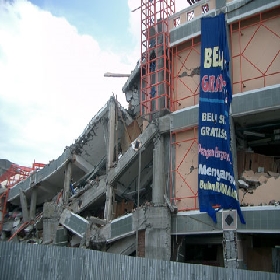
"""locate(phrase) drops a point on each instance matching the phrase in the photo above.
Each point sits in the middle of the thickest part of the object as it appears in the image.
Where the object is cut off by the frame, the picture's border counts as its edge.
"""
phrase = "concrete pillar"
(49, 230)
(158, 171)
(33, 203)
(111, 133)
(158, 234)
(24, 207)
(109, 203)
(67, 182)
(230, 249)
(233, 148)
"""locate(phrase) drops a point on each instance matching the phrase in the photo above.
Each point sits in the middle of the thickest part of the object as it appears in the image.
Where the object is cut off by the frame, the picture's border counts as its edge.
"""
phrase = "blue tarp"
(216, 184)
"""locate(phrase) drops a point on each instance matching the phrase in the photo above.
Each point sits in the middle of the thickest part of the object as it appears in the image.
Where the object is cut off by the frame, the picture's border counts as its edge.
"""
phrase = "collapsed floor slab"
(89, 197)
(126, 246)
(74, 222)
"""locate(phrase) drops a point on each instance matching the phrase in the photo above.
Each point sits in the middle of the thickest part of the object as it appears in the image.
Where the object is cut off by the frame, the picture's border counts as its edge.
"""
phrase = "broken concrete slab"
(82, 164)
(92, 138)
(125, 246)
(74, 222)
(97, 221)
(38, 177)
(90, 196)
(251, 180)
(131, 154)
(273, 174)
(75, 241)
(50, 179)
(263, 194)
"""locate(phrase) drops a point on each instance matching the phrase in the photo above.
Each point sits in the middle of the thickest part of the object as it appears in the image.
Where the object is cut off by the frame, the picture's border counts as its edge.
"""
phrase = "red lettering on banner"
(212, 83)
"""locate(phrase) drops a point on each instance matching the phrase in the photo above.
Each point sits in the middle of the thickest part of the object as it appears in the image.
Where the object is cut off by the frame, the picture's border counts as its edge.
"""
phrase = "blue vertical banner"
(216, 183)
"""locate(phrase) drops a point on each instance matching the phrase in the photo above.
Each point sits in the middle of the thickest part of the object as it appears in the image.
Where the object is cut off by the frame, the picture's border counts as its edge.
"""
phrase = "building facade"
(135, 171)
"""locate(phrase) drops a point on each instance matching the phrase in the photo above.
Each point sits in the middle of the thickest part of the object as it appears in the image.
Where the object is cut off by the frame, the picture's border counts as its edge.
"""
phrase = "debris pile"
(257, 189)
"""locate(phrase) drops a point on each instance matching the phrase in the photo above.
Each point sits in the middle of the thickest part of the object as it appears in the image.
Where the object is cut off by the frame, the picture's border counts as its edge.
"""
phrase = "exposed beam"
(82, 164)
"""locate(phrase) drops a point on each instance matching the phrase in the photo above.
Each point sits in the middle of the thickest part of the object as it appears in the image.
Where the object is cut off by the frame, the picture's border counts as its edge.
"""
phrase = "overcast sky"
(53, 55)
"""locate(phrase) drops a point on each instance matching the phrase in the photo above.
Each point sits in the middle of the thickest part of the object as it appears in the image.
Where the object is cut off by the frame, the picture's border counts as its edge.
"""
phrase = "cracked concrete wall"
(259, 46)
(258, 56)
(261, 189)
(74, 222)
(187, 69)
(186, 166)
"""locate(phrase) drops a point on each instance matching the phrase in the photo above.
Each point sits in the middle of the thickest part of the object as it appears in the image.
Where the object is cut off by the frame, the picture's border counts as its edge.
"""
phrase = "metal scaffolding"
(184, 150)
(155, 56)
(248, 67)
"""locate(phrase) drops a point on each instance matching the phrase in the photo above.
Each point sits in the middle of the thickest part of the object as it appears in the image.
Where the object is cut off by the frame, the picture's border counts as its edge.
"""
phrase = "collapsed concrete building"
(134, 172)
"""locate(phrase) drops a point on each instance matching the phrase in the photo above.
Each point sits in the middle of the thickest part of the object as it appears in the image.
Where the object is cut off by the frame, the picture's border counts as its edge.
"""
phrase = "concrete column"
(158, 234)
(233, 147)
(67, 182)
(158, 171)
(33, 203)
(111, 133)
(109, 203)
(230, 249)
(24, 207)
